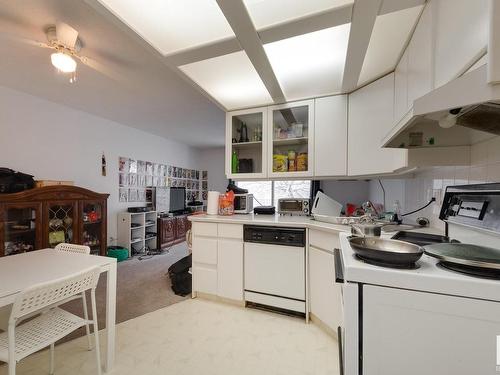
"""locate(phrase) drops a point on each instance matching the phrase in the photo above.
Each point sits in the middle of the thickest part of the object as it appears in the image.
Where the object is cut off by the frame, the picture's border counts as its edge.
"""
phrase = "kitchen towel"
(213, 203)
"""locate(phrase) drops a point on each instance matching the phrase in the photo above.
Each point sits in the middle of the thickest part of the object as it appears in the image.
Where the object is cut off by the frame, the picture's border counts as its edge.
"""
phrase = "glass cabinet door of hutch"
(20, 228)
(91, 233)
(61, 223)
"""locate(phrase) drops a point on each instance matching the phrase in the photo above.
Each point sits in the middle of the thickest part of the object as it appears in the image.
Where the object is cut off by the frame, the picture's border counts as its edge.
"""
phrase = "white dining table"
(20, 271)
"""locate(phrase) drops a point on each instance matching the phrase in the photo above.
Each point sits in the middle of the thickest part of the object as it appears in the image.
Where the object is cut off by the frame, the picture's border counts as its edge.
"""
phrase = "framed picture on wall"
(132, 166)
(122, 195)
(132, 195)
(122, 179)
(123, 164)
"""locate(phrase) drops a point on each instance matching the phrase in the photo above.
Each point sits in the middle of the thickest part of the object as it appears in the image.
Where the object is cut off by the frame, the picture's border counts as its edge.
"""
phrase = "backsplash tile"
(418, 188)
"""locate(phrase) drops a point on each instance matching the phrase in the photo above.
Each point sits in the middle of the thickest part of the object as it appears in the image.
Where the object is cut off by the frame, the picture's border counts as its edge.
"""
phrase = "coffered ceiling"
(244, 53)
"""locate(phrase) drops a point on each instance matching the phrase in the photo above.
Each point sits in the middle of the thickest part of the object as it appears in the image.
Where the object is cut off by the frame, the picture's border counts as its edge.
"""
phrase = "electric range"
(393, 318)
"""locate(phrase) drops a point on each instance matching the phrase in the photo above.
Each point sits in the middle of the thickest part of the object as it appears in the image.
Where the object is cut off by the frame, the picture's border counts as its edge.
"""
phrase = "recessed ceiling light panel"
(389, 37)
(173, 25)
(266, 13)
(310, 64)
(230, 79)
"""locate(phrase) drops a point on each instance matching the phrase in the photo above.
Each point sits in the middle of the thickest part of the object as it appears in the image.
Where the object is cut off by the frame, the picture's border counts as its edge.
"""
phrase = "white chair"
(51, 322)
(77, 249)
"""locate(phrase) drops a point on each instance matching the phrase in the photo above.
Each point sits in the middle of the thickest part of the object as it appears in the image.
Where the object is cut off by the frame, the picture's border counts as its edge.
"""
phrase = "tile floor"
(202, 337)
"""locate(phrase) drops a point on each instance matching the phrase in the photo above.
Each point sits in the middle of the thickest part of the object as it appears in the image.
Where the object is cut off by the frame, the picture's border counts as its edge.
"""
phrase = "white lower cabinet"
(324, 295)
(204, 279)
(415, 333)
(230, 269)
(218, 260)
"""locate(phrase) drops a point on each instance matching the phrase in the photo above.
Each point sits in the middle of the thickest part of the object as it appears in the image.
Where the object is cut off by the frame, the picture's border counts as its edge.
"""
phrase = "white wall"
(212, 160)
(52, 141)
(355, 192)
(416, 190)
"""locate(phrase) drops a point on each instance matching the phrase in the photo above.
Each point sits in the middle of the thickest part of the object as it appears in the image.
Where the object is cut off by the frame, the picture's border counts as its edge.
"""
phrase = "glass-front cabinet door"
(61, 222)
(91, 230)
(246, 135)
(20, 228)
(291, 134)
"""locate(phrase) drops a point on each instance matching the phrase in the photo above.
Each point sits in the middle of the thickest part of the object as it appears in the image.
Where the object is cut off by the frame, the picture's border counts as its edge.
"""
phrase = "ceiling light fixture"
(63, 62)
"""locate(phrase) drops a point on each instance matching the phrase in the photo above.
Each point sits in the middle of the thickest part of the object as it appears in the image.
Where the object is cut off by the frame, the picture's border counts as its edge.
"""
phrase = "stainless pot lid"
(467, 254)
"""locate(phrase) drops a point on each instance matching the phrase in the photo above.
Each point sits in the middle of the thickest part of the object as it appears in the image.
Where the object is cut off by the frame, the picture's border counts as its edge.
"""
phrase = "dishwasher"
(275, 268)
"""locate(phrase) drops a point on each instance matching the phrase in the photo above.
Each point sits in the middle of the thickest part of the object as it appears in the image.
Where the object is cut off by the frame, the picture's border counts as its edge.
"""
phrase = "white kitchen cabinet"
(370, 119)
(230, 269)
(204, 279)
(291, 130)
(330, 141)
(218, 260)
(401, 88)
(420, 73)
(250, 148)
(324, 294)
(419, 333)
(461, 35)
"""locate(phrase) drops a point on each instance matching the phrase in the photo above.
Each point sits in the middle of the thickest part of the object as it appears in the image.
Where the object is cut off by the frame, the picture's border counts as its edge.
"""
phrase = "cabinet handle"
(341, 351)
(339, 268)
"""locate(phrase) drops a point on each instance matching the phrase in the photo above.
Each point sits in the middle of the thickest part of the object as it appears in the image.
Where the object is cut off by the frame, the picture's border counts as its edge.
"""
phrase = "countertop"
(287, 221)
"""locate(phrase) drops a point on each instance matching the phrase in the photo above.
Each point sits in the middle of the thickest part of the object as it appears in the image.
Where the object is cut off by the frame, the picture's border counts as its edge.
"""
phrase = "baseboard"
(212, 297)
(322, 325)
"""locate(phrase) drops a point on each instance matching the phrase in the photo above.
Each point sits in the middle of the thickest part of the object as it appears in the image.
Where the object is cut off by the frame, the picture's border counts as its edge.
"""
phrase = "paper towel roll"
(213, 203)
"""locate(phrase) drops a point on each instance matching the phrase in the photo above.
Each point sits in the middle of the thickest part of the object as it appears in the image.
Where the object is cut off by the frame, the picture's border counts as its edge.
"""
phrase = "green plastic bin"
(118, 252)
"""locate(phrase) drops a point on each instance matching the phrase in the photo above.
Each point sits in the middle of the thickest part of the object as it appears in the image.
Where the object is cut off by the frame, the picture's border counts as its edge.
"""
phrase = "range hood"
(460, 113)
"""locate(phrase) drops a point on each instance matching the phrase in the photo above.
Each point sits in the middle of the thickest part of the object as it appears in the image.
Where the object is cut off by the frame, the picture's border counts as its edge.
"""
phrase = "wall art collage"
(136, 178)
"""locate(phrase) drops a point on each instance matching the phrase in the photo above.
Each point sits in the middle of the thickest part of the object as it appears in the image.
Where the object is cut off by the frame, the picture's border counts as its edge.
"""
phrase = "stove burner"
(409, 266)
(485, 273)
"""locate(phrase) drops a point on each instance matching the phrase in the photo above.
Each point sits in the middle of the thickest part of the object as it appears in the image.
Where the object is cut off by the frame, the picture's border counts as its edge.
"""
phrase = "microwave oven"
(294, 206)
(243, 203)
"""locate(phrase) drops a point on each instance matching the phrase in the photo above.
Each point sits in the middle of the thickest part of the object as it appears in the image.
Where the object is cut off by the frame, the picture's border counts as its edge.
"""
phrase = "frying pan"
(391, 252)
(465, 254)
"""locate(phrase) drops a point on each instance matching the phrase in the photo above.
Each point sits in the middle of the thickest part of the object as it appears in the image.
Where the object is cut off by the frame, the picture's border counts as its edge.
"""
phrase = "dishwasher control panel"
(274, 235)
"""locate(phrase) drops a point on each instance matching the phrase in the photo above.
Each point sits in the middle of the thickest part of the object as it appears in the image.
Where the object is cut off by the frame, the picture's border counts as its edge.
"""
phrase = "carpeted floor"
(142, 287)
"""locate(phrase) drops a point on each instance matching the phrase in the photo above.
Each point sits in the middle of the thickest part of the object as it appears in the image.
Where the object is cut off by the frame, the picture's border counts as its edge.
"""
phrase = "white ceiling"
(150, 96)
(175, 63)
(389, 36)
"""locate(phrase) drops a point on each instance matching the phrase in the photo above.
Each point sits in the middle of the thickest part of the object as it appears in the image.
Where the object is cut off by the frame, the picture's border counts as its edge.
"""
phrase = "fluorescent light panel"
(265, 13)
(173, 25)
(230, 79)
(389, 36)
(310, 64)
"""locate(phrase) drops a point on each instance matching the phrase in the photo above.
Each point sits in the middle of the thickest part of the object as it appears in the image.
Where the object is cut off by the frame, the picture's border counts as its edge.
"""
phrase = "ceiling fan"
(66, 43)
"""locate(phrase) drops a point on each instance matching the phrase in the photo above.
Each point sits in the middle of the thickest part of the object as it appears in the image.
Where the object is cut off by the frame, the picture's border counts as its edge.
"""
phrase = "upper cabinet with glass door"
(291, 134)
(246, 135)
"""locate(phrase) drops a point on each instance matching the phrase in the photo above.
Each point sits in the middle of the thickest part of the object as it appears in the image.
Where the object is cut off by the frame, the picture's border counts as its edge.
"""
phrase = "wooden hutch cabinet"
(172, 230)
(44, 217)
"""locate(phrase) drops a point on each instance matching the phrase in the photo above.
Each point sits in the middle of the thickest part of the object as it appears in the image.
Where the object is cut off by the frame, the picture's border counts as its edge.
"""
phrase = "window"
(267, 193)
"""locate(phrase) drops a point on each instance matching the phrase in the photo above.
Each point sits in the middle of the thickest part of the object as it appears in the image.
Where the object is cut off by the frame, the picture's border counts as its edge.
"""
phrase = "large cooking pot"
(390, 252)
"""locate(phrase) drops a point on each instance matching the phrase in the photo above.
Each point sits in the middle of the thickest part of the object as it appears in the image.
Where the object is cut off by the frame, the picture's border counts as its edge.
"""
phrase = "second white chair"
(78, 249)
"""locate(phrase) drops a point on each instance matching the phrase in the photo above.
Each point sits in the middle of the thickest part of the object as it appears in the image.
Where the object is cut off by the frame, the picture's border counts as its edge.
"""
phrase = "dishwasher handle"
(339, 266)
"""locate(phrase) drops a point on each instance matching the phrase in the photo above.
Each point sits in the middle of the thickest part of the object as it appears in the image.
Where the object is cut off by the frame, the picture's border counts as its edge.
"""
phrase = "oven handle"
(339, 267)
(341, 350)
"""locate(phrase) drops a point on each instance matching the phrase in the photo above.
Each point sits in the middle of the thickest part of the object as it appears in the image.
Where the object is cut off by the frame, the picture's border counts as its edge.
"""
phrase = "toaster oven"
(294, 206)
